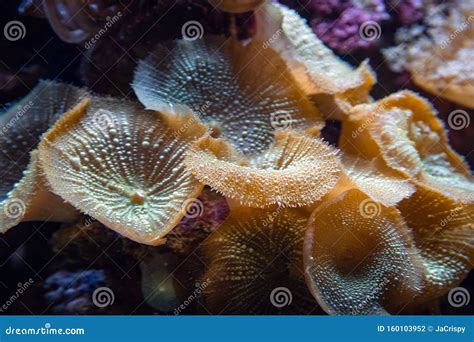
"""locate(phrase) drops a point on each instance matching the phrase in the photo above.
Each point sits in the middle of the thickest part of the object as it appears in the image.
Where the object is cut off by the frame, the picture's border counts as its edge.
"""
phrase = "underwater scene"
(236, 157)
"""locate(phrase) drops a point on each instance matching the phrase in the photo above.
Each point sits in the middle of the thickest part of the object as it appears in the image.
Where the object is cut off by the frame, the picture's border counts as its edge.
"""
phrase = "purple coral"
(346, 26)
(409, 11)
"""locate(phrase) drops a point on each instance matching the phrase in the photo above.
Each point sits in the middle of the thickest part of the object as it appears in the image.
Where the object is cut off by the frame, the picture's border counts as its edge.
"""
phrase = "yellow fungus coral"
(404, 131)
(443, 231)
(295, 171)
(255, 264)
(241, 97)
(123, 165)
(23, 194)
(360, 257)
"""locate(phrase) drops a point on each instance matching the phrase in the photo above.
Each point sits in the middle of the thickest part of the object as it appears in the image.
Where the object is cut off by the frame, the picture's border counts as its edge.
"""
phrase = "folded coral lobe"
(123, 165)
(22, 125)
(295, 171)
(443, 230)
(243, 92)
(360, 257)
(404, 130)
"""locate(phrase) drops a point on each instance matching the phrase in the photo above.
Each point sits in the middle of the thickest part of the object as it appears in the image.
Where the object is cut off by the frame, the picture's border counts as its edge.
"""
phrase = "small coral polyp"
(122, 165)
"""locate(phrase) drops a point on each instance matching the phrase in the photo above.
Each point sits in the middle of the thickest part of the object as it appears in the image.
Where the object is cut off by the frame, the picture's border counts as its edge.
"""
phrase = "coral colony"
(215, 165)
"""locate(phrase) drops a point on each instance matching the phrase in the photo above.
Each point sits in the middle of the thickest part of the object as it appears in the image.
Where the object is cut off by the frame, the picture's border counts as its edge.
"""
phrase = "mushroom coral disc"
(403, 129)
(23, 194)
(359, 257)
(444, 234)
(244, 92)
(295, 171)
(315, 67)
(255, 264)
(123, 165)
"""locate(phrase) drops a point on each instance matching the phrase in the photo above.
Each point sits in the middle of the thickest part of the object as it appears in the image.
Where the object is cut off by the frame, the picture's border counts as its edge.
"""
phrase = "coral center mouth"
(138, 197)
